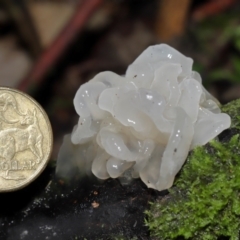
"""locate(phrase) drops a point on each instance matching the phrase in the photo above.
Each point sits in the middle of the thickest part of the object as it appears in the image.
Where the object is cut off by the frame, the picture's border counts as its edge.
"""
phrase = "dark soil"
(51, 209)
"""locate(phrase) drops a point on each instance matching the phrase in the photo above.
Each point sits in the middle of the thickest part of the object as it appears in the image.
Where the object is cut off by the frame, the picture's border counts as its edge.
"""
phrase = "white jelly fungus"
(145, 122)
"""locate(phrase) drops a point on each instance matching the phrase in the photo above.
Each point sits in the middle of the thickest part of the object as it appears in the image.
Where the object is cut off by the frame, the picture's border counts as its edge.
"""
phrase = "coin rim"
(50, 140)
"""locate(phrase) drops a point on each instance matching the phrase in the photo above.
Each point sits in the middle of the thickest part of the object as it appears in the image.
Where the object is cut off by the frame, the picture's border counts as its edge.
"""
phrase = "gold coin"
(25, 139)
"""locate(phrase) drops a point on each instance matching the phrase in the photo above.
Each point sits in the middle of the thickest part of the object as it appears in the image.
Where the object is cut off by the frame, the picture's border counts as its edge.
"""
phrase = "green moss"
(205, 200)
(233, 109)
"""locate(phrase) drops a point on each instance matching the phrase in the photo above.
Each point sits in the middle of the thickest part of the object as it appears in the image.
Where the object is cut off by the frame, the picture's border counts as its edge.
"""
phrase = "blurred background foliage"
(218, 39)
(48, 48)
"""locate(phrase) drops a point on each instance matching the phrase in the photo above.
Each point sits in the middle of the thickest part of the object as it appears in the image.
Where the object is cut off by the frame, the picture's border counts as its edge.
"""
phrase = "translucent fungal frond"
(147, 121)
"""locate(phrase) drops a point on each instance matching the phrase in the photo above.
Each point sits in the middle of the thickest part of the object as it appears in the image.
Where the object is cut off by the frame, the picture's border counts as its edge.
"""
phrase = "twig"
(52, 53)
(211, 8)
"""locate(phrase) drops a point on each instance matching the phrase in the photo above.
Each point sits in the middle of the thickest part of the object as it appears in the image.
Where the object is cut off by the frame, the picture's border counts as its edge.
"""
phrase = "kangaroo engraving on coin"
(25, 139)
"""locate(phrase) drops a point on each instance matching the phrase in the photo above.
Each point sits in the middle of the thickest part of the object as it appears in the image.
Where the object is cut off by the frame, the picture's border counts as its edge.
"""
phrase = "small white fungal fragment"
(145, 122)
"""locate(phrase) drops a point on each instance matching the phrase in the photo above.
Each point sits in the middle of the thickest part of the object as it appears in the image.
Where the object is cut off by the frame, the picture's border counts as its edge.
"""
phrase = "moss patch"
(205, 200)
(233, 109)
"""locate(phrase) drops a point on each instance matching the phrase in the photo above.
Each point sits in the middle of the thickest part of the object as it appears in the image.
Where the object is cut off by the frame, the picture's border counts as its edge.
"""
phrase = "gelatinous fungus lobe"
(145, 122)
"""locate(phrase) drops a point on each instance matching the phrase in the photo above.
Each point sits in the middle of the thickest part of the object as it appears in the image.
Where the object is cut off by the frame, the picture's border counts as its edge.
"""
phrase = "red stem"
(54, 51)
(211, 8)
